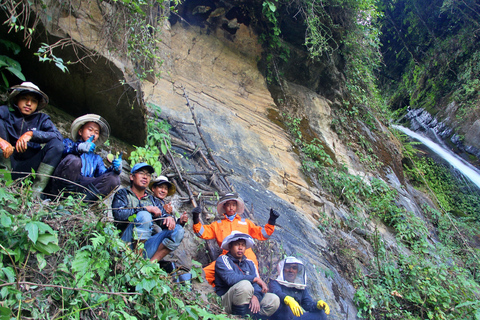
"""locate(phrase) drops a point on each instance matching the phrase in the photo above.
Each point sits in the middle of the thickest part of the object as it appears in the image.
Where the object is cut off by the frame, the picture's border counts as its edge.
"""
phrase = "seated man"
(135, 202)
(238, 283)
(81, 165)
(161, 188)
(23, 131)
(231, 206)
(291, 287)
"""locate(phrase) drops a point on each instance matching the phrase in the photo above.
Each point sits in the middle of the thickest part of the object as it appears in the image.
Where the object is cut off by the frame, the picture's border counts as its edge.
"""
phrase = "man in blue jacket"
(135, 211)
(84, 167)
(238, 283)
(28, 138)
(291, 287)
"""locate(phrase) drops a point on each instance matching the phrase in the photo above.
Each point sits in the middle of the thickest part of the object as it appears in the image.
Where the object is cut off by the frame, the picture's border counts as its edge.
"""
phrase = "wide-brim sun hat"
(228, 197)
(163, 180)
(142, 165)
(80, 121)
(235, 236)
(27, 87)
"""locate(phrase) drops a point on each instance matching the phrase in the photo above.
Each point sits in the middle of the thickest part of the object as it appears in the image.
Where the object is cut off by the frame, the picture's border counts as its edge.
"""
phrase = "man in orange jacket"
(231, 206)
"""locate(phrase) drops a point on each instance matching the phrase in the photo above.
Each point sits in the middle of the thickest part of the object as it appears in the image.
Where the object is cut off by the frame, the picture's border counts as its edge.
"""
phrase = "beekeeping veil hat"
(300, 280)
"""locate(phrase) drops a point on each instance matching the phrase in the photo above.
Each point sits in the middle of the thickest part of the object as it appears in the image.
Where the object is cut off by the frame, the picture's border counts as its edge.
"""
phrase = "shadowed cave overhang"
(94, 87)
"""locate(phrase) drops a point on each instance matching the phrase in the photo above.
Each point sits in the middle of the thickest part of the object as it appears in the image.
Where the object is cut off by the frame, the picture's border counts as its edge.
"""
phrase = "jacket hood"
(300, 281)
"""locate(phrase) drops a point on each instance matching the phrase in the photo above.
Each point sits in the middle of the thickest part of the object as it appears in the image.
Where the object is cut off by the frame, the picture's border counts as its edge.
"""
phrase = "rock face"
(243, 127)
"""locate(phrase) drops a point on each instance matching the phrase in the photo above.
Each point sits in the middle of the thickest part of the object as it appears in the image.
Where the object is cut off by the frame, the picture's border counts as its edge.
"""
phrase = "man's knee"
(72, 161)
(270, 303)
(175, 238)
(243, 288)
(54, 151)
(143, 217)
(112, 180)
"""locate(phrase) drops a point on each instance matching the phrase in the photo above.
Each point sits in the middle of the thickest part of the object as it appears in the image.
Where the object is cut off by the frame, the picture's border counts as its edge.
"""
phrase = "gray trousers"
(242, 292)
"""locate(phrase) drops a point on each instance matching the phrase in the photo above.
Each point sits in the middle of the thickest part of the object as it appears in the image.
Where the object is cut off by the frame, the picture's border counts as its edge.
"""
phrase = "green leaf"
(81, 261)
(163, 147)
(42, 263)
(46, 248)
(5, 220)
(16, 72)
(5, 313)
(32, 230)
(9, 273)
(47, 238)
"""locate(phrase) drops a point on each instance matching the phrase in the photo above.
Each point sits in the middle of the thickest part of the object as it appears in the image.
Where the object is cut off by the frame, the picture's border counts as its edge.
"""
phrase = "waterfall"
(455, 161)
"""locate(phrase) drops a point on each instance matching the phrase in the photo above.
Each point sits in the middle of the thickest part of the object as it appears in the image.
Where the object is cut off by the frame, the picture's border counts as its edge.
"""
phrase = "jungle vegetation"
(393, 54)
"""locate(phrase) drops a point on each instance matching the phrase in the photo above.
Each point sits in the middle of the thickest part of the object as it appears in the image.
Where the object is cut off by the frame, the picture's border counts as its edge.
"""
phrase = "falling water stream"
(458, 163)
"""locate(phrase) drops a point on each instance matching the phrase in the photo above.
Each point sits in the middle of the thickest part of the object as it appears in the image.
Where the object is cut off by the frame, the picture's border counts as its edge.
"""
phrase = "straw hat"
(228, 197)
(163, 180)
(237, 235)
(26, 87)
(80, 121)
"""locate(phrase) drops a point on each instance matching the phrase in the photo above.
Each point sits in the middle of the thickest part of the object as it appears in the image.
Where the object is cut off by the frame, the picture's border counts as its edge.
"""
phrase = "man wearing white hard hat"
(28, 138)
(82, 165)
(295, 300)
(237, 282)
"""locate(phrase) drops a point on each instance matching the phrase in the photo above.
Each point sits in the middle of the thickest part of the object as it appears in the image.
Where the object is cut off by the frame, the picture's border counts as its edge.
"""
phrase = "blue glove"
(87, 146)
(117, 163)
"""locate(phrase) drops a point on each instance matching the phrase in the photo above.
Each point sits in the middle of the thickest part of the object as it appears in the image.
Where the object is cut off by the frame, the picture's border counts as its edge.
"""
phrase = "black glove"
(273, 216)
(196, 214)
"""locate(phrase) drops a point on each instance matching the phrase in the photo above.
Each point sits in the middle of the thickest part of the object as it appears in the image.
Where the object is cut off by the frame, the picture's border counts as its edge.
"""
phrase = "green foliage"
(314, 150)
(68, 264)
(158, 143)
(45, 54)
(429, 50)
(417, 287)
(9, 64)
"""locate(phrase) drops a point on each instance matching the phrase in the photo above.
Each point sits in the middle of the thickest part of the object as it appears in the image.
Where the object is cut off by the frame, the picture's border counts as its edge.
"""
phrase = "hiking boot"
(240, 310)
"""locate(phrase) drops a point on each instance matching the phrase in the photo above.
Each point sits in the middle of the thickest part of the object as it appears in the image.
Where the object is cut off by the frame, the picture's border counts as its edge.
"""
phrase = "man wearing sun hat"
(84, 167)
(134, 201)
(28, 138)
(237, 281)
(291, 287)
(231, 206)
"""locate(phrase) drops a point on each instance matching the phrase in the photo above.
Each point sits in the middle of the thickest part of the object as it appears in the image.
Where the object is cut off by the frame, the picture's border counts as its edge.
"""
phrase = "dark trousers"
(285, 313)
(70, 170)
(50, 154)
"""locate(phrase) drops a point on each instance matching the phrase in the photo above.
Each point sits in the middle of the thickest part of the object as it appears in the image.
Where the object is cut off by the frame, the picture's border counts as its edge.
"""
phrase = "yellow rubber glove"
(296, 309)
(323, 305)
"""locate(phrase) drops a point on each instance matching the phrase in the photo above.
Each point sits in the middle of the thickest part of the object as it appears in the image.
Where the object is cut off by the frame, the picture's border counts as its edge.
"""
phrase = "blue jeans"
(142, 225)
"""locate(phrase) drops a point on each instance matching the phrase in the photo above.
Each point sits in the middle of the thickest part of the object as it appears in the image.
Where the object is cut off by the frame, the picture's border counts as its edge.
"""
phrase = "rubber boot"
(5, 164)
(240, 310)
(42, 176)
